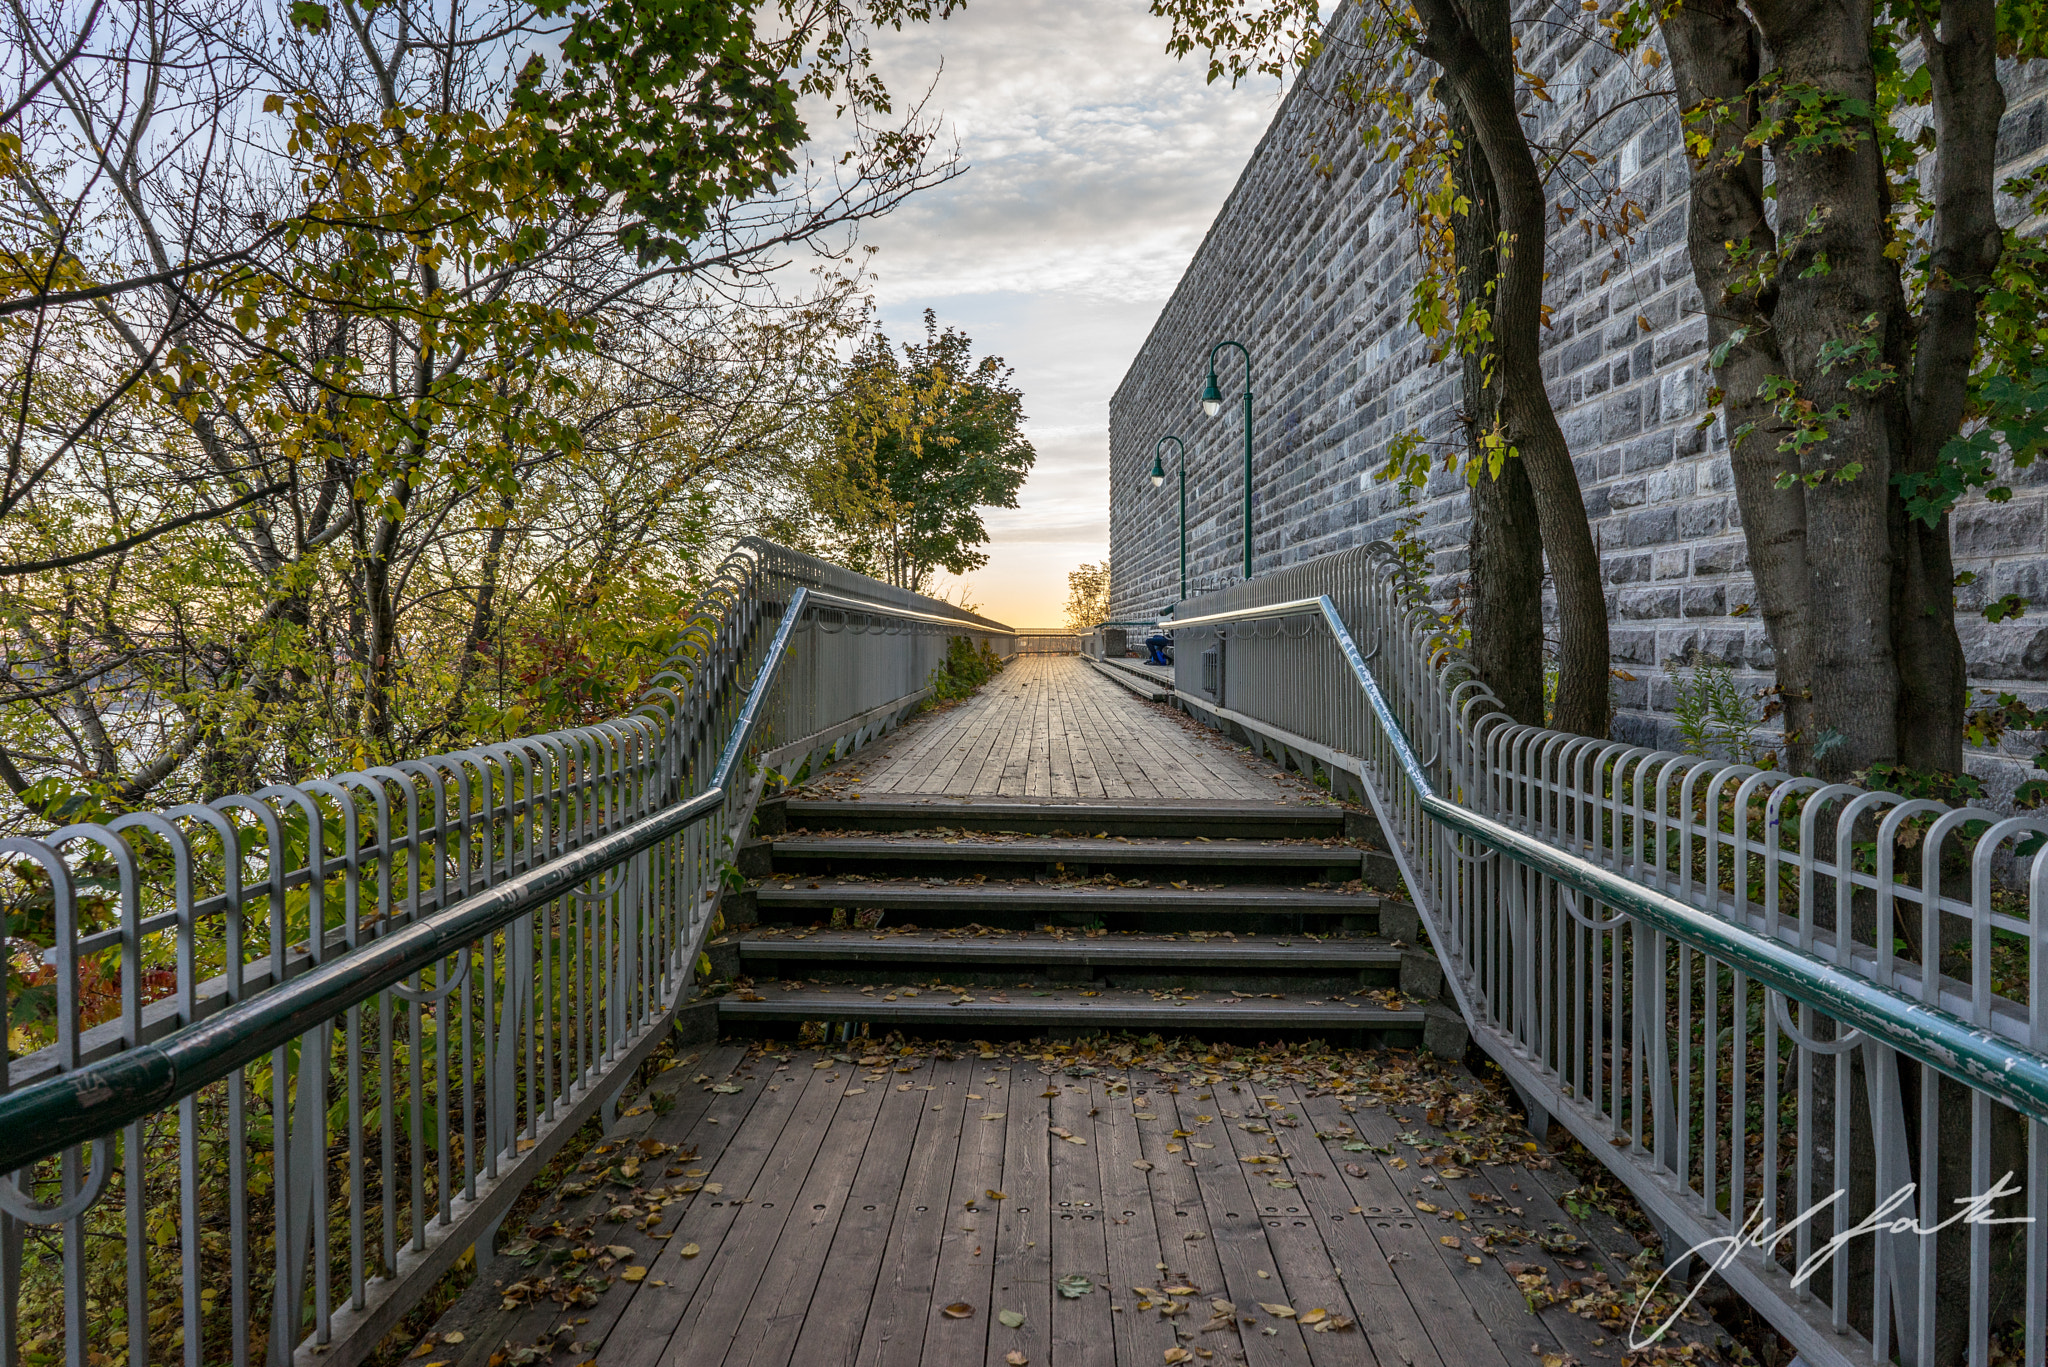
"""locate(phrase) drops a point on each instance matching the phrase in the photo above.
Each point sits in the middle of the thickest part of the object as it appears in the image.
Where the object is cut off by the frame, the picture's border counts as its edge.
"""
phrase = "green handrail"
(45, 1118)
(1945, 1042)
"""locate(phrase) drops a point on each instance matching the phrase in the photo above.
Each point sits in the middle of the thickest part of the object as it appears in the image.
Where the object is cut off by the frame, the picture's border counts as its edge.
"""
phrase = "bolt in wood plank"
(1437, 1291)
(902, 1304)
(1081, 1330)
(741, 1259)
(1024, 1227)
(1142, 1336)
(1247, 1260)
(861, 1163)
(659, 1303)
(967, 1244)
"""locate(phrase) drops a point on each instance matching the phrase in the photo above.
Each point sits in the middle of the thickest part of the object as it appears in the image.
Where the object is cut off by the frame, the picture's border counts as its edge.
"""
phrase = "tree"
(352, 342)
(921, 443)
(1088, 596)
(1877, 336)
(1495, 289)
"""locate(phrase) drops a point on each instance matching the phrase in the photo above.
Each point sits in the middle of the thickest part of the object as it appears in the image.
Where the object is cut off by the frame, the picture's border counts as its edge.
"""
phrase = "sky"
(1096, 164)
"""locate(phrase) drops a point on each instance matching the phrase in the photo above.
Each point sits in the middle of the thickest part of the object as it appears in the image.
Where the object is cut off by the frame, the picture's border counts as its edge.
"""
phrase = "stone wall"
(1312, 272)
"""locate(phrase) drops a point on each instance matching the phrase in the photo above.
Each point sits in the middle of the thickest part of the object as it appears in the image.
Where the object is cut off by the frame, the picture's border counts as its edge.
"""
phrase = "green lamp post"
(1159, 478)
(1212, 404)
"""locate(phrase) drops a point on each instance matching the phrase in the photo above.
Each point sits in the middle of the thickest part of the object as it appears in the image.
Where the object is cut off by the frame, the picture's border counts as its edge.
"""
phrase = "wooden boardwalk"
(1050, 728)
(926, 1207)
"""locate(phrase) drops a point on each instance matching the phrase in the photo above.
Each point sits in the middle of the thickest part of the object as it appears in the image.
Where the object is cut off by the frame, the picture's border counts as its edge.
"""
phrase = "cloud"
(1097, 163)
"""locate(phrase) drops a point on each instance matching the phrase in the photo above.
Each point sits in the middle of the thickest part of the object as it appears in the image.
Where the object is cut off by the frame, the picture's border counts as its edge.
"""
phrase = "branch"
(126, 543)
(51, 298)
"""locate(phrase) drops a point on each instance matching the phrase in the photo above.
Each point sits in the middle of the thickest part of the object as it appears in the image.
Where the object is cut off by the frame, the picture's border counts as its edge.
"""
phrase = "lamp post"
(1159, 478)
(1212, 404)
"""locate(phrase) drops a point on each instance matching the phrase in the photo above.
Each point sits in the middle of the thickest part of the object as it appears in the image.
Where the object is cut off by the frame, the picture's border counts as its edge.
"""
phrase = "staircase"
(1054, 920)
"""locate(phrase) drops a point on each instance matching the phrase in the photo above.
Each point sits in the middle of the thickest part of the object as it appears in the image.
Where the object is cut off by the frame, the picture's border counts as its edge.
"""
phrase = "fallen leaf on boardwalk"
(1182, 1291)
(1178, 1354)
(1354, 1169)
(1449, 1241)
(1068, 1135)
(1278, 1312)
(1075, 1285)
(1315, 1316)
(1425, 1207)
(1011, 1319)
(1475, 1261)
(452, 1336)
(1142, 1166)
(618, 1251)
(1281, 1182)
(1222, 1307)
(713, 1188)
(993, 1115)
(857, 1091)
(633, 1274)
(1333, 1324)
(959, 1310)
(1554, 1360)
(1015, 1358)
(994, 1195)
(691, 1250)
(1397, 1163)
(729, 1087)
(1050, 1091)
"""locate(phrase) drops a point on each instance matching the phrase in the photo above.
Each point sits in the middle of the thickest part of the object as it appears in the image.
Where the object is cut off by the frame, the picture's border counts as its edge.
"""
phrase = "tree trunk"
(1484, 85)
(1506, 539)
(1714, 56)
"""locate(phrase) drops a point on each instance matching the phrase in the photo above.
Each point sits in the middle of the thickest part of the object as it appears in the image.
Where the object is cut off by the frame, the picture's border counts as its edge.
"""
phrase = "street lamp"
(1159, 478)
(1212, 404)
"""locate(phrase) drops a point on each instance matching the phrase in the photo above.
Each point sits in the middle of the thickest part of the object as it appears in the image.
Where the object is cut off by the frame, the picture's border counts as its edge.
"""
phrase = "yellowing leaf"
(452, 1336)
(633, 1274)
(958, 1310)
(1315, 1316)
(1142, 1166)
(997, 1195)
(1449, 1241)
(1015, 1357)
(691, 1250)
(1011, 1319)
(1178, 1354)
(1282, 1312)
(618, 1250)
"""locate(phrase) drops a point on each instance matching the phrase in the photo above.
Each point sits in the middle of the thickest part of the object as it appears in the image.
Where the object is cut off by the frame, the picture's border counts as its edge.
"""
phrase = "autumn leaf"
(633, 1274)
(1011, 1319)
(1178, 1354)
(1279, 1312)
(959, 1310)
(1015, 1358)
(618, 1250)
(1142, 1166)
(1075, 1285)
(691, 1250)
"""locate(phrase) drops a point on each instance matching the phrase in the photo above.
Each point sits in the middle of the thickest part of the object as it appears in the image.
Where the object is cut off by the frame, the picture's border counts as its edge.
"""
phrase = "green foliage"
(1088, 596)
(965, 668)
(920, 443)
(1712, 713)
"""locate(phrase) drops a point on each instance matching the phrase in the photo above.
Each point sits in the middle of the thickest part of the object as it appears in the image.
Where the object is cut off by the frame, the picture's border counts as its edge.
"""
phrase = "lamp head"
(1212, 397)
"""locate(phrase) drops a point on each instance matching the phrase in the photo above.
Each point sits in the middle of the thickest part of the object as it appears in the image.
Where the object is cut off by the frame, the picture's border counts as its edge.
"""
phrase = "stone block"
(1648, 604)
(1996, 528)
(1652, 527)
(1673, 564)
(1721, 557)
(1705, 601)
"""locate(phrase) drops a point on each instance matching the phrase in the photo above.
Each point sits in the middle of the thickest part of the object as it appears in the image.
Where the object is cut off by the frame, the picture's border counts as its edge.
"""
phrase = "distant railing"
(1743, 990)
(311, 1042)
(1050, 642)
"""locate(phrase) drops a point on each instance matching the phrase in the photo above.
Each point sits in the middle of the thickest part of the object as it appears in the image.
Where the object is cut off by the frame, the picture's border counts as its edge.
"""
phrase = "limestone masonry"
(1312, 272)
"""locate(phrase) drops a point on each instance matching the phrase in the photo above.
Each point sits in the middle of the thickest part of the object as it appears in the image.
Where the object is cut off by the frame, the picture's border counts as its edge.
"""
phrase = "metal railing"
(311, 1042)
(1792, 1016)
(1050, 642)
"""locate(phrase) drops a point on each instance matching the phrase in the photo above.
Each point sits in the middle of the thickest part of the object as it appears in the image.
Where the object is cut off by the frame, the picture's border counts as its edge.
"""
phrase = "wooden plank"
(1185, 1246)
(1250, 1269)
(743, 1257)
(480, 1315)
(658, 1303)
(1024, 1273)
(861, 1163)
(966, 1269)
(1133, 1230)
(902, 1302)
(1382, 1308)
(1304, 1265)
(834, 1320)
(1082, 1333)
(1437, 1291)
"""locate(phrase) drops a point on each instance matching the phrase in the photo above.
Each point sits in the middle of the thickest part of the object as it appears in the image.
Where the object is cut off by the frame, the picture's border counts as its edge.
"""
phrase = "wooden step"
(1183, 820)
(977, 1011)
(1266, 953)
(1028, 904)
(1210, 860)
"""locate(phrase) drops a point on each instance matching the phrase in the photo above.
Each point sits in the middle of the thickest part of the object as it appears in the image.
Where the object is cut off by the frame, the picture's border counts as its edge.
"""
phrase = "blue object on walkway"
(1159, 648)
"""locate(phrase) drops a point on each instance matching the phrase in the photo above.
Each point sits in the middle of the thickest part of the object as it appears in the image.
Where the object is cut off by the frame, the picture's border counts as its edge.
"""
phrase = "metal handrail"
(1935, 1037)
